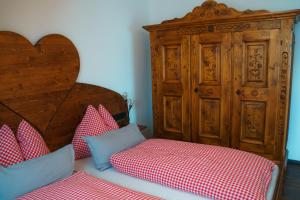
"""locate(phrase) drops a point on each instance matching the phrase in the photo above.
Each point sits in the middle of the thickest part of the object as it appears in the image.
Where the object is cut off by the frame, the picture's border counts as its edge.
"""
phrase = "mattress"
(147, 187)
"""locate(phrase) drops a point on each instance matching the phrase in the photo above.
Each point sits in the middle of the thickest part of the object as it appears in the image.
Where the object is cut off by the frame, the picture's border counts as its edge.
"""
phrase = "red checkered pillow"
(10, 152)
(108, 119)
(31, 142)
(92, 124)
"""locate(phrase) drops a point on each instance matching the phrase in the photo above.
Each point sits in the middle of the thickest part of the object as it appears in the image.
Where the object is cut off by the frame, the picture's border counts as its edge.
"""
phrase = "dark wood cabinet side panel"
(154, 55)
(284, 85)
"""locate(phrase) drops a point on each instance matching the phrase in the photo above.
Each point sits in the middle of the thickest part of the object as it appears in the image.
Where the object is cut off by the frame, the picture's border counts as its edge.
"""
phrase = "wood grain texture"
(172, 88)
(210, 58)
(227, 80)
(254, 92)
(51, 65)
(38, 84)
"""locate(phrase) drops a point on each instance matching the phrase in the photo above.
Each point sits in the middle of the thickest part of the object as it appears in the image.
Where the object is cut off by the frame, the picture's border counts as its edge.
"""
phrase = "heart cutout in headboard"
(34, 80)
(51, 65)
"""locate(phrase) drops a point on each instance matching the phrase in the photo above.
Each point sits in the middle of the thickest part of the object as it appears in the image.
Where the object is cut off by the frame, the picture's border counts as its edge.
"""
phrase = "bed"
(147, 187)
(38, 84)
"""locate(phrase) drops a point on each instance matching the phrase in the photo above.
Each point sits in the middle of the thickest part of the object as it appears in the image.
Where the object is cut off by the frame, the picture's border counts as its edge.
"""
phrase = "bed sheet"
(147, 187)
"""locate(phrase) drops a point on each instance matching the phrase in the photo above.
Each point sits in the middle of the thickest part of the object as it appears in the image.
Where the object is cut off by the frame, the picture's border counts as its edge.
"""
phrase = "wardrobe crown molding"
(213, 12)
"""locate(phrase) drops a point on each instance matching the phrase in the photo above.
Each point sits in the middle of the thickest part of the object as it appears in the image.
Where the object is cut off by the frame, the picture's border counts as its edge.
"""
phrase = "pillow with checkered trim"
(109, 121)
(30, 175)
(104, 146)
(92, 124)
(10, 152)
(31, 142)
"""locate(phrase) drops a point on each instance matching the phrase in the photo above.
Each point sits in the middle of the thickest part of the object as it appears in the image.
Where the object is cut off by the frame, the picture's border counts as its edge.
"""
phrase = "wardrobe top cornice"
(211, 12)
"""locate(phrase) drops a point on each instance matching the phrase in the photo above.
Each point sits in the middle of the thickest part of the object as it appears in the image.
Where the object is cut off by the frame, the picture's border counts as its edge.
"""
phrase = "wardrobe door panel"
(173, 88)
(254, 91)
(211, 75)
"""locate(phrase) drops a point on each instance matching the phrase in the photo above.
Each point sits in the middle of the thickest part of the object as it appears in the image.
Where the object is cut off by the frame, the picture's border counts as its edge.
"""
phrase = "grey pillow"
(22, 178)
(105, 145)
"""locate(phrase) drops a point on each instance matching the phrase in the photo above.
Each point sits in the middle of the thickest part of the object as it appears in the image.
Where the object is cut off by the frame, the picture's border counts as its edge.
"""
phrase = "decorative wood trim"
(210, 9)
(228, 27)
(194, 30)
(283, 92)
(233, 27)
(211, 12)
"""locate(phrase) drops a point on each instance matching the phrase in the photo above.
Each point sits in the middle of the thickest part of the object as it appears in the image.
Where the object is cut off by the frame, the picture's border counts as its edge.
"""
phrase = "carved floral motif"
(210, 119)
(256, 63)
(172, 65)
(172, 113)
(254, 120)
(254, 93)
(209, 63)
(251, 124)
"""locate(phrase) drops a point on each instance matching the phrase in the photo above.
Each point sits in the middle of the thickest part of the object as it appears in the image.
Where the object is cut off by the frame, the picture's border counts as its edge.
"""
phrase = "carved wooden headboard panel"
(38, 84)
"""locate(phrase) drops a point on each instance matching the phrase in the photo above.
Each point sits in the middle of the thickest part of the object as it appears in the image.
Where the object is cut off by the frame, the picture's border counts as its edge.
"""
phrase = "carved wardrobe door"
(255, 67)
(172, 64)
(211, 76)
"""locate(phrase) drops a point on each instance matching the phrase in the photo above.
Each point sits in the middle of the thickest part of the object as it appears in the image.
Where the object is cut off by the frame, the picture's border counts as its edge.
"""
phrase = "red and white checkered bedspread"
(215, 172)
(82, 186)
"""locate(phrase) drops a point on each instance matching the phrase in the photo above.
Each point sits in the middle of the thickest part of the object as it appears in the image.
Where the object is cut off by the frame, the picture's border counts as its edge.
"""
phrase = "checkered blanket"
(215, 172)
(82, 186)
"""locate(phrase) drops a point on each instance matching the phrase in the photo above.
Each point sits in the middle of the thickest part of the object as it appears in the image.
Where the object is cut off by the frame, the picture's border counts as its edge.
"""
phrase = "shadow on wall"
(142, 77)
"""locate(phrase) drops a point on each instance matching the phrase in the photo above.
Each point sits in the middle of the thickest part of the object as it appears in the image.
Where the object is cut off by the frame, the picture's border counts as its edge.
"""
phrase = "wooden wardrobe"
(222, 76)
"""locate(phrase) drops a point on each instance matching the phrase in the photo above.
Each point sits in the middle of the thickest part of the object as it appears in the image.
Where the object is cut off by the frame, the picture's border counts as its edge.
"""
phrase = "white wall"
(160, 10)
(107, 33)
(114, 49)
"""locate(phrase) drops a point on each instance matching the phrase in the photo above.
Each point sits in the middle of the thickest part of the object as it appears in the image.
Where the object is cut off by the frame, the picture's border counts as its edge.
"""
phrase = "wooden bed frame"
(38, 84)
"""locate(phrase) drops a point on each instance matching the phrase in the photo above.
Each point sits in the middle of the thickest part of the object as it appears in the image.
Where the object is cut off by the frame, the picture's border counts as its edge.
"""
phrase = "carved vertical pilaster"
(284, 85)
(283, 77)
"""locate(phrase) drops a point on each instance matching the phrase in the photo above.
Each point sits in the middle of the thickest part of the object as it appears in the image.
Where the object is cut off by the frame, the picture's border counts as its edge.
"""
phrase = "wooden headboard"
(38, 84)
